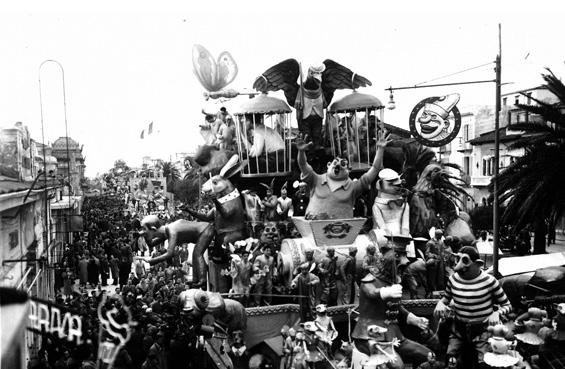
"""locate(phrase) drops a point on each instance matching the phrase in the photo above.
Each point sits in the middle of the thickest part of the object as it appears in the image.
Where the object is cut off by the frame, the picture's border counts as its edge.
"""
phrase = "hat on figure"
(390, 175)
(309, 326)
(321, 308)
(442, 106)
(399, 242)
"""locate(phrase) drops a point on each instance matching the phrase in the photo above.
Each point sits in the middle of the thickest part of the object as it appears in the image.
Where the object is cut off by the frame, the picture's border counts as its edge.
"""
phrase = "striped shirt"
(473, 300)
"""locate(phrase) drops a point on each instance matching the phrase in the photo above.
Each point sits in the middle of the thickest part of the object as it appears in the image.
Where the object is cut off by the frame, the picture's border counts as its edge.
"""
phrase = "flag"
(142, 134)
(150, 130)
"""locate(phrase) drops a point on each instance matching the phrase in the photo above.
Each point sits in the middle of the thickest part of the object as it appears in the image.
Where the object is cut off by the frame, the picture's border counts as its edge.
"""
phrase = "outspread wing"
(282, 76)
(205, 68)
(227, 69)
(337, 77)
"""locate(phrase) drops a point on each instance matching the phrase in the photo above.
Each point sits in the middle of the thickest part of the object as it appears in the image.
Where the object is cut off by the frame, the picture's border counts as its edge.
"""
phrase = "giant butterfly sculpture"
(214, 75)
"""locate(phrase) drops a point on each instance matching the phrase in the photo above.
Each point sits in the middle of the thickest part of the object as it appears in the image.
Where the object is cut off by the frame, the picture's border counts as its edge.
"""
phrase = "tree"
(533, 187)
(171, 173)
(120, 167)
(187, 190)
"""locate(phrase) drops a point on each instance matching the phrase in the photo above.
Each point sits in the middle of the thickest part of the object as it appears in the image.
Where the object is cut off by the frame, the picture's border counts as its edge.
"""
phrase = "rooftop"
(488, 137)
(540, 87)
(8, 185)
(61, 144)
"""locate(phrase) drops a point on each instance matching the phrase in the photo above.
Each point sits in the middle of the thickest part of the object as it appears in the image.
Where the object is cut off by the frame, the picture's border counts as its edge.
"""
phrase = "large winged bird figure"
(312, 95)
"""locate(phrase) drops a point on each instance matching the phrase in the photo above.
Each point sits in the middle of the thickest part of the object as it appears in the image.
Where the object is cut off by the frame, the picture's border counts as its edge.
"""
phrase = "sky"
(127, 63)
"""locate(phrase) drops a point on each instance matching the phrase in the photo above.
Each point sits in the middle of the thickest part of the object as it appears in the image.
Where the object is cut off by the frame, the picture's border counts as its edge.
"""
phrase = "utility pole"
(495, 205)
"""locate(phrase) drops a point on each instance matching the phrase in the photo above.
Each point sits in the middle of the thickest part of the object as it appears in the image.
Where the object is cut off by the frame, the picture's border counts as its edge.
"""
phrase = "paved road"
(559, 245)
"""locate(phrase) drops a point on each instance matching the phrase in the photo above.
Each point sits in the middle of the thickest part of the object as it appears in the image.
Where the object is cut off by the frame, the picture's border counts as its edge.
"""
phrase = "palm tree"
(171, 173)
(533, 187)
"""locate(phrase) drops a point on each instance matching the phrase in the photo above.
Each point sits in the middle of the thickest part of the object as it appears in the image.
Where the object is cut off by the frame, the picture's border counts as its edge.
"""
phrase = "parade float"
(415, 192)
(351, 126)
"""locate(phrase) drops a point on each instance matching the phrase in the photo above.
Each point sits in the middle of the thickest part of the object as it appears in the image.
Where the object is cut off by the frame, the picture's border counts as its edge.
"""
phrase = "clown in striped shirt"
(476, 300)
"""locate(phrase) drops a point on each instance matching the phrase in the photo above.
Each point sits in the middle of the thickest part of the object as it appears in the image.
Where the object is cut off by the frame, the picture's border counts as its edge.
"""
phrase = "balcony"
(464, 146)
(480, 181)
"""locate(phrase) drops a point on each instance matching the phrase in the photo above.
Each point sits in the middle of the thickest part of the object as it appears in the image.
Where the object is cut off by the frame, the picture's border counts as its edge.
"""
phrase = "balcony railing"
(464, 146)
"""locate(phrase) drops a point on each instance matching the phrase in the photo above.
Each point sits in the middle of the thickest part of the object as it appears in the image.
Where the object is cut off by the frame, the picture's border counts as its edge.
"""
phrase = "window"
(14, 239)
(465, 133)
(516, 99)
(467, 165)
(504, 101)
(529, 98)
(491, 166)
(488, 166)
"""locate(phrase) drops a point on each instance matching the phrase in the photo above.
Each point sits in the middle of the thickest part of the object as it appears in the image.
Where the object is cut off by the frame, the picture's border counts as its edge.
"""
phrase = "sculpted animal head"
(150, 225)
(338, 169)
(220, 183)
(448, 200)
(270, 233)
(430, 176)
(209, 159)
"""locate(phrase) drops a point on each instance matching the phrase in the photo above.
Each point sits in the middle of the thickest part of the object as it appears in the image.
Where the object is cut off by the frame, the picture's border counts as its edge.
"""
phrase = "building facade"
(473, 148)
(482, 143)
(70, 163)
(35, 217)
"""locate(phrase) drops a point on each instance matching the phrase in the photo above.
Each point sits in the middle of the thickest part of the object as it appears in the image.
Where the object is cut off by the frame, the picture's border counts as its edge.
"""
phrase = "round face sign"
(431, 125)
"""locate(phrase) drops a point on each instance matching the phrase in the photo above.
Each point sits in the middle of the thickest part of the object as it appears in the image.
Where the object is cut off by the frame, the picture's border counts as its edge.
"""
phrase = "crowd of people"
(102, 261)
(161, 337)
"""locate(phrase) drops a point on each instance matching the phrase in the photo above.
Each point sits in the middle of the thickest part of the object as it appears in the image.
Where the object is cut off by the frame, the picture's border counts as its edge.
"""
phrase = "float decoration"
(311, 96)
(501, 356)
(351, 125)
(214, 75)
(264, 136)
(530, 324)
(115, 329)
(430, 123)
(330, 232)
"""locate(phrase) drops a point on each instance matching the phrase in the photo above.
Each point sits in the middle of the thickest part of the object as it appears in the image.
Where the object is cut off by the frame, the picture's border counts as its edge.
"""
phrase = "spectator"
(68, 281)
(83, 270)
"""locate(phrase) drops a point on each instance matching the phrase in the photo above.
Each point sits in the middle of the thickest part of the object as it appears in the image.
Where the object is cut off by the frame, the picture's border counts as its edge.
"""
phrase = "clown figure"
(270, 203)
(326, 329)
(476, 300)
(284, 206)
(301, 198)
(263, 268)
(380, 304)
(391, 212)
(240, 271)
(333, 194)
(306, 283)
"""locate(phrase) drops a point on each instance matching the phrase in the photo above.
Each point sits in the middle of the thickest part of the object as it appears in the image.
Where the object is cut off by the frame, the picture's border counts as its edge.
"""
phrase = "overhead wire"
(455, 73)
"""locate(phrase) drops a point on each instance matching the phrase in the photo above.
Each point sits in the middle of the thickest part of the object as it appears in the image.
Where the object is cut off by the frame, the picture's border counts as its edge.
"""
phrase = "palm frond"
(551, 113)
(532, 186)
(555, 85)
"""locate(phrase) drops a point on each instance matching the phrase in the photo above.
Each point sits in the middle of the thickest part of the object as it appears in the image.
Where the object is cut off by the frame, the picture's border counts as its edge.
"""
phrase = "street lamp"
(391, 104)
(498, 84)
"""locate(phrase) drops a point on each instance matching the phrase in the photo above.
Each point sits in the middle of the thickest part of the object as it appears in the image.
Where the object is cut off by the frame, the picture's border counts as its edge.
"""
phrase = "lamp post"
(47, 228)
(498, 84)
(495, 204)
